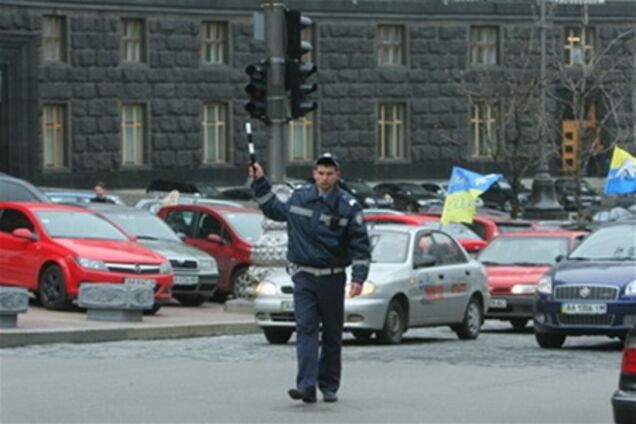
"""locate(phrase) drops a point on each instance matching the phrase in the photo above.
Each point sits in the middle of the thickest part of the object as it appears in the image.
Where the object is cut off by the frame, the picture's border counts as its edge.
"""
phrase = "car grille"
(187, 264)
(287, 289)
(133, 268)
(595, 292)
(586, 319)
(282, 316)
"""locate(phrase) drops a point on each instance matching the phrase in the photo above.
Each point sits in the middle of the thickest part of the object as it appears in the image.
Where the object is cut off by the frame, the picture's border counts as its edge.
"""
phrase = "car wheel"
(473, 319)
(549, 341)
(152, 311)
(362, 335)
(519, 323)
(191, 299)
(241, 284)
(52, 289)
(277, 335)
(393, 328)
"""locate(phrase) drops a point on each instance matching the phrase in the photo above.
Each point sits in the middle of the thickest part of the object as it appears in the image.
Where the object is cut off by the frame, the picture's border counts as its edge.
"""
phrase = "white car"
(419, 277)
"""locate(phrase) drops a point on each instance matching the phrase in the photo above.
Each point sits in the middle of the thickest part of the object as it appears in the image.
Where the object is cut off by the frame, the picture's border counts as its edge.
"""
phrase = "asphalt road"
(503, 377)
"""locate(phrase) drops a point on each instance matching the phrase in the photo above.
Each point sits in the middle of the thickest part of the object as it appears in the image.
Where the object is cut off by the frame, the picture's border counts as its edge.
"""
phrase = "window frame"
(476, 120)
(62, 39)
(308, 147)
(64, 149)
(585, 32)
(401, 44)
(226, 131)
(145, 142)
(403, 139)
(205, 42)
(124, 40)
(475, 45)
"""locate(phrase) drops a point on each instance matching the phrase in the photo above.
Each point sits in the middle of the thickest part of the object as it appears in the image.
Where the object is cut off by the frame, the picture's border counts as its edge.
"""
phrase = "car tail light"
(629, 360)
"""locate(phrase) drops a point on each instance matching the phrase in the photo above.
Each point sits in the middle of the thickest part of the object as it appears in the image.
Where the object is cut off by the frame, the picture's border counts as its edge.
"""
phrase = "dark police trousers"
(319, 300)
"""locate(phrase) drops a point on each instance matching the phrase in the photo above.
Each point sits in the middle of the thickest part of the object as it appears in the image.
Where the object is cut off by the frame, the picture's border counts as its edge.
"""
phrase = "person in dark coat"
(100, 193)
(326, 234)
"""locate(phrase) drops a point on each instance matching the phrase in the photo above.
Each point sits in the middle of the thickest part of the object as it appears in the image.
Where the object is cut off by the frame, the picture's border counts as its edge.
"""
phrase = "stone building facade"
(129, 91)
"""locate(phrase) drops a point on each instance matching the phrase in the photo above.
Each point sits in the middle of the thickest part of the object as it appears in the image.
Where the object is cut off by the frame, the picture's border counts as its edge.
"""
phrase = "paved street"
(432, 377)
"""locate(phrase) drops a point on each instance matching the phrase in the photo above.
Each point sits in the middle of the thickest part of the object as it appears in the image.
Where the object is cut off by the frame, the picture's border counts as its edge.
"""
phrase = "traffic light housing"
(296, 71)
(257, 90)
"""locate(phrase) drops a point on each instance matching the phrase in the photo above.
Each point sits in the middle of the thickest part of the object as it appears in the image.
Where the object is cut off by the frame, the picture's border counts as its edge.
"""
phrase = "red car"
(51, 249)
(464, 235)
(515, 262)
(490, 226)
(225, 232)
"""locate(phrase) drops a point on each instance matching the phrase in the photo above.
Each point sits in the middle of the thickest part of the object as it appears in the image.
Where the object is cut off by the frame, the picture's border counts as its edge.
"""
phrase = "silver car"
(420, 277)
(196, 273)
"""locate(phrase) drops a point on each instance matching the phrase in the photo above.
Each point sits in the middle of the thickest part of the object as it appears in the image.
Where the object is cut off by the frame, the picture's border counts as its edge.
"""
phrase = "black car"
(566, 193)
(18, 190)
(409, 197)
(498, 196)
(365, 195)
(624, 399)
(202, 188)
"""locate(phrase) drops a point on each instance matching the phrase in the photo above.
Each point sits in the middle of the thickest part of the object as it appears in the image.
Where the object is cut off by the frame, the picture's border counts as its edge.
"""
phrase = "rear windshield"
(524, 251)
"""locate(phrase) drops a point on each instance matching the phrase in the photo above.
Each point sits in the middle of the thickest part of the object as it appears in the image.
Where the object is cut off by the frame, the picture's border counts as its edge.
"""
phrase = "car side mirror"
(424, 261)
(215, 238)
(25, 234)
(559, 257)
(182, 236)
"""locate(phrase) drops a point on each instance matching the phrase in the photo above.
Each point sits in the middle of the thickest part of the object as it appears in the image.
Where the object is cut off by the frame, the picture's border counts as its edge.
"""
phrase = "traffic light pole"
(276, 99)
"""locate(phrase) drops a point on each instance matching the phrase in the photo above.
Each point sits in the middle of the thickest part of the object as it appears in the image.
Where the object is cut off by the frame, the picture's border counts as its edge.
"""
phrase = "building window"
(484, 45)
(133, 40)
(391, 130)
(391, 45)
(579, 46)
(54, 136)
(214, 47)
(483, 129)
(215, 133)
(133, 130)
(53, 38)
(307, 34)
(301, 139)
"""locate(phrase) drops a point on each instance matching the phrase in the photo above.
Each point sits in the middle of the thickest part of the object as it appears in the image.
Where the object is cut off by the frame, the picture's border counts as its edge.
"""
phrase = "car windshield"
(249, 226)
(524, 250)
(144, 226)
(570, 186)
(69, 224)
(389, 246)
(209, 190)
(617, 242)
(414, 189)
(458, 231)
(361, 188)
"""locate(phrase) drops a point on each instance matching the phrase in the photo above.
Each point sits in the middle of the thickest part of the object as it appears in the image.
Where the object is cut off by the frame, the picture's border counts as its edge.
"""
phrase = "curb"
(11, 338)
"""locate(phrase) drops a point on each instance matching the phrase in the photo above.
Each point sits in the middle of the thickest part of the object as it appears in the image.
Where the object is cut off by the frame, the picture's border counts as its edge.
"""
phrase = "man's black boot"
(305, 396)
(329, 396)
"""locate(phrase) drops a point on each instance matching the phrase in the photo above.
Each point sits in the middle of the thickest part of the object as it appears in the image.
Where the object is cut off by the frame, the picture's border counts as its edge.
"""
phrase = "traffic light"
(257, 89)
(297, 71)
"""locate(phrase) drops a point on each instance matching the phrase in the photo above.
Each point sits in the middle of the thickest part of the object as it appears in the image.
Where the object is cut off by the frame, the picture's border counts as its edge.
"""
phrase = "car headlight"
(367, 288)
(165, 268)
(207, 265)
(93, 264)
(523, 289)
(545, 285)
(265, 288)
(369, 201)
(630, 289)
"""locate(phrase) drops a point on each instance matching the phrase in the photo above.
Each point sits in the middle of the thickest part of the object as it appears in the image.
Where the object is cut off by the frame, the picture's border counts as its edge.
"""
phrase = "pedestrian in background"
(100, 193)
(326, 233)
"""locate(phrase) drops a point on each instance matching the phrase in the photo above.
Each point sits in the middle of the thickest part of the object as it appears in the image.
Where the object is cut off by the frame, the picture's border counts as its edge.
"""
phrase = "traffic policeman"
(326, 233)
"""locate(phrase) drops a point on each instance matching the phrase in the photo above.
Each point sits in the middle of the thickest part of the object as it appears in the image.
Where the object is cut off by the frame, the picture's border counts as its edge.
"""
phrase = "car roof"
(45, 206)
(33, 191)
(109, 207)
(544, 233)
(217, 208)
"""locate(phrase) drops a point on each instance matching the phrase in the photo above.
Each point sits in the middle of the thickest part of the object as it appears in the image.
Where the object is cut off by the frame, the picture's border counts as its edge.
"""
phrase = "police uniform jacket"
(324, 232)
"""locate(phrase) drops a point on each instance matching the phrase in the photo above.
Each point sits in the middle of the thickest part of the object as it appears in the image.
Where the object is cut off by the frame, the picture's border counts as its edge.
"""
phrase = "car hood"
(111, 251)
(508, 276)
(601, 272)
(175, 250)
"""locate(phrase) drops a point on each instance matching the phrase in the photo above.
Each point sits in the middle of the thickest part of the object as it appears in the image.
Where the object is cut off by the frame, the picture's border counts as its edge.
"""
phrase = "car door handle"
(441, 276)
(467, 272)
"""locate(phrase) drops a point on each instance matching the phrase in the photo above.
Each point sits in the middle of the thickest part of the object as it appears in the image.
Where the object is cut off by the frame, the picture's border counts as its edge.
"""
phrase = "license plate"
(186, 280)
(498, 303)
(584, 308)
(140, 282)
(287, 306)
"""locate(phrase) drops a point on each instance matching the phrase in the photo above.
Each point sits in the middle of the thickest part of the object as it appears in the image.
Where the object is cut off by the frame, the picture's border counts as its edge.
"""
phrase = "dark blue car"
(592, 291)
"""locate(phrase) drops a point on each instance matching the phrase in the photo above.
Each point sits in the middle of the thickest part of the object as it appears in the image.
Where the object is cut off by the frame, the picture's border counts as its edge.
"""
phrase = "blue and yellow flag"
(621, 178)
(464, 188)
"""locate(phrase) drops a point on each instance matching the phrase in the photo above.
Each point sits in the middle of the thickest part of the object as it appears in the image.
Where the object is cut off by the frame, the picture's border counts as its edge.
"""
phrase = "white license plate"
(186, 280)
(584, 308)
(498, 303)
(287, 306)
(140, 282)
